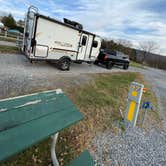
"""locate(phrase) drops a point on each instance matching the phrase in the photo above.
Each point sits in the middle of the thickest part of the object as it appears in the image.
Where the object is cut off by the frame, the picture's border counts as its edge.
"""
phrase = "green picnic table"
(27, 120)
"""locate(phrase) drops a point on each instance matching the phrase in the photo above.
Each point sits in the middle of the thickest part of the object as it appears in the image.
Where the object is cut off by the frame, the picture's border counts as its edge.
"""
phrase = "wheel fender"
(64, 57)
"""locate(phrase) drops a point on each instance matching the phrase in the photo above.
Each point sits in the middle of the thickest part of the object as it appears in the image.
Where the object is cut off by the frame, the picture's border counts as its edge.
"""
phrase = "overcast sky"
(134, 20)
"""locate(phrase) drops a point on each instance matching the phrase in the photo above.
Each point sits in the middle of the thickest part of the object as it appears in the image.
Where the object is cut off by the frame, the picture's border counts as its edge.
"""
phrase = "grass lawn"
(9, 39)
(99, 101)
(9, 49)
(138, 65)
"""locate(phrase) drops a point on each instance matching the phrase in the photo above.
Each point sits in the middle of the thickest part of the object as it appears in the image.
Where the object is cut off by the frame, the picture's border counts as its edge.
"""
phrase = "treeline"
(136, 55)
(153, 60)
(10, 23)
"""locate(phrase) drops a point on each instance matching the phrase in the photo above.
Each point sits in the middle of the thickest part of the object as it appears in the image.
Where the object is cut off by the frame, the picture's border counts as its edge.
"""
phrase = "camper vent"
(73, 23)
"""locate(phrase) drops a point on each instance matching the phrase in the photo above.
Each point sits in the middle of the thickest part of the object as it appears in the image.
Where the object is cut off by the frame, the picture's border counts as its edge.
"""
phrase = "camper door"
(82, 47)
(95, 47)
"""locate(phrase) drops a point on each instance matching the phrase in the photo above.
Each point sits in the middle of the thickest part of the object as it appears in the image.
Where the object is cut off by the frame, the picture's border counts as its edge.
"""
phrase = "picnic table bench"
(27, 120)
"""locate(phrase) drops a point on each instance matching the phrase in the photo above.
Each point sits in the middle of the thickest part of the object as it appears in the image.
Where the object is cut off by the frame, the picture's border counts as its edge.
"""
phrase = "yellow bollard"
(134, 100)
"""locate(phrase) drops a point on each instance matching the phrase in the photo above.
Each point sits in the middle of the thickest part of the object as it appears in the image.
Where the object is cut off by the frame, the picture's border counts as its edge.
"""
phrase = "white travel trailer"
(48, 39)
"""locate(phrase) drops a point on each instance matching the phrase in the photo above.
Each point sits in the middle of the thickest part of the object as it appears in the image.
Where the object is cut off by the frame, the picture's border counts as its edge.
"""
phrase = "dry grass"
(9, 49)
(99, 101)
(9, 39)
(137, 65)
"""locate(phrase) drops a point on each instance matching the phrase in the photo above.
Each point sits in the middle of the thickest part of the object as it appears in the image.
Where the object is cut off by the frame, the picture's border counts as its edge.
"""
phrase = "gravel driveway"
(19, 76)
(133, 147)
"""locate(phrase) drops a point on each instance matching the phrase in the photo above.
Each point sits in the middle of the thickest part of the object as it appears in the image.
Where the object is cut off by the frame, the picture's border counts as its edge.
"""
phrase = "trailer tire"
(64, 64)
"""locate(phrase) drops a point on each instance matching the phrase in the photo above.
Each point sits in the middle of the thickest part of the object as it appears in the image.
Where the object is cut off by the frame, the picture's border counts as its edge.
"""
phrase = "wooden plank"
(17, 116)
(83, 160)
(9, 103)
(31, 94)
(21, 137)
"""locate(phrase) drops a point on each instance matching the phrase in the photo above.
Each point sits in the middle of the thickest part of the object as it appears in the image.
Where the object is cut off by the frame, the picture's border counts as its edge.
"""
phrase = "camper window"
(95, 44)
(84, 38)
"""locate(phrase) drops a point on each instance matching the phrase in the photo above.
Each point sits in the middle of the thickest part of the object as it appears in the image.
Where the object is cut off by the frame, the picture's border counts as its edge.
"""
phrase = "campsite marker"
(134, 100)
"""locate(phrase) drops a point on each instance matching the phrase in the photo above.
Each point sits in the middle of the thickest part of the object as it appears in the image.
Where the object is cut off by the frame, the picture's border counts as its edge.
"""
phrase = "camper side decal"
(63, 44)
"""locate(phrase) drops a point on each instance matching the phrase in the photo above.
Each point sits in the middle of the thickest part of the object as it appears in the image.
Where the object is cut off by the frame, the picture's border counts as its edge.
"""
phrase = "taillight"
(105, 57)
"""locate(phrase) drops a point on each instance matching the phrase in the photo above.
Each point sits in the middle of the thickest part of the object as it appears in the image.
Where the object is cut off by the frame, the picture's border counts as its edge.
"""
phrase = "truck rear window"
(110, 52)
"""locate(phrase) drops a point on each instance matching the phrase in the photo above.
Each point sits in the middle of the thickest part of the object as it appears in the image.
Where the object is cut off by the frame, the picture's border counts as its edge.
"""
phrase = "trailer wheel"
(64, 64)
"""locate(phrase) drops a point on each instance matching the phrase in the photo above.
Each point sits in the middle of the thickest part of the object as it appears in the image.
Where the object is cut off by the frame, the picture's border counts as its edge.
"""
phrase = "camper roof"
(59, 22)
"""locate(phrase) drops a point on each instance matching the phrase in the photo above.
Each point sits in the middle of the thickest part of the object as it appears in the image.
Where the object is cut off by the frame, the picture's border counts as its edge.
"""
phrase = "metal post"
(53, 154)
(144, 117)
(6, 33)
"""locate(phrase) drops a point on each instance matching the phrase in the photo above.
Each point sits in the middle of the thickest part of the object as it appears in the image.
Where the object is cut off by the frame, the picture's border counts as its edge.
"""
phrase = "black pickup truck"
(110, 58)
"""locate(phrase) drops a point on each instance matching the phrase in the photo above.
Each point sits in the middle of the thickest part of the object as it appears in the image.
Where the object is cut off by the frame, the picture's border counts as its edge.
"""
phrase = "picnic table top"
(26, 120)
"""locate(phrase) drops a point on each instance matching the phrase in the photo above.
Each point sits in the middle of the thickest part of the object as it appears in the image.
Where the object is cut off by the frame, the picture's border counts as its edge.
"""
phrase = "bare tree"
(147, 47)
(125, 43)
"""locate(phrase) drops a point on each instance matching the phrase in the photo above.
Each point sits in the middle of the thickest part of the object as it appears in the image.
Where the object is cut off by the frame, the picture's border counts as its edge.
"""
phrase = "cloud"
(136, 20)
(125, 19)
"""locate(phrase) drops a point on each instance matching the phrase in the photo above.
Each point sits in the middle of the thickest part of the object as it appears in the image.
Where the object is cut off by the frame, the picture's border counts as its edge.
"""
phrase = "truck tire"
(125, 66)
(109, 65)
(64, 64)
